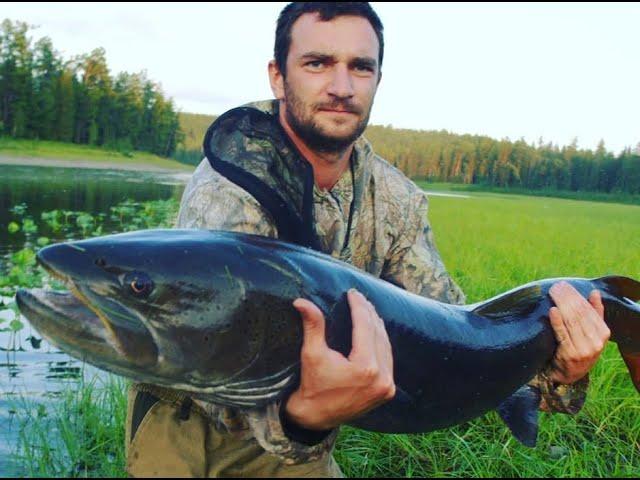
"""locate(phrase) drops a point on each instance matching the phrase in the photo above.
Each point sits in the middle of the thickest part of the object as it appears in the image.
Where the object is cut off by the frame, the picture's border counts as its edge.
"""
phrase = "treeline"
(43, 96)
(471, 159)
(440, 156)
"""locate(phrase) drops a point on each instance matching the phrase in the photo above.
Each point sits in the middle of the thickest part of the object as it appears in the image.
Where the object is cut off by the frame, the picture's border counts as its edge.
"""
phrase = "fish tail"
(622, 316)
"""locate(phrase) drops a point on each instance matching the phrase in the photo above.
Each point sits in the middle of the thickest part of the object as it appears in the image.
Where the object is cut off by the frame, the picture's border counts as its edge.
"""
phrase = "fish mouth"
(64, 321)
(87, 325)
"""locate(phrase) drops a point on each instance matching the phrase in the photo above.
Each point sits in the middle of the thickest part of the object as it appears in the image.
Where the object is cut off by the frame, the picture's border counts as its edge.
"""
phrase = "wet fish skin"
(217, 321)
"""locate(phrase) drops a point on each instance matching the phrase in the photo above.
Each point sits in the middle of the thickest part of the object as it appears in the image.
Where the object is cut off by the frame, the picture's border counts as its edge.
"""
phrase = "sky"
(556, 71)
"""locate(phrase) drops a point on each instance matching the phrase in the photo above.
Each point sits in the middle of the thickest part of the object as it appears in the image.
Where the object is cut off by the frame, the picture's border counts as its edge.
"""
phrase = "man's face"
(331, 80)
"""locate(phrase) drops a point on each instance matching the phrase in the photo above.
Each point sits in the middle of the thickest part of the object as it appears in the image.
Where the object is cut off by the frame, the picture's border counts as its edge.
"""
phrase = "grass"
(45, 149)
(625, 198)
(490, 243)
(79, 435)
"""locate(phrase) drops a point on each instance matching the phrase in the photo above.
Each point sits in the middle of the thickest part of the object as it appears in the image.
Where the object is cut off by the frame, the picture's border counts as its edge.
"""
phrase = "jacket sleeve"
(210, 201)
(559, 398)
(415, 265)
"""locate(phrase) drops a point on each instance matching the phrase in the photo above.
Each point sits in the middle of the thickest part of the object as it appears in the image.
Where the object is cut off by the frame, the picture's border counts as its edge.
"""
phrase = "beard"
(315, 136)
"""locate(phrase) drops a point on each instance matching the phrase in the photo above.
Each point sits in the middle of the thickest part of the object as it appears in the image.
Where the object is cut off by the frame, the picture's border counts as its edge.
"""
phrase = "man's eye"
(315, 64)
(363, 68)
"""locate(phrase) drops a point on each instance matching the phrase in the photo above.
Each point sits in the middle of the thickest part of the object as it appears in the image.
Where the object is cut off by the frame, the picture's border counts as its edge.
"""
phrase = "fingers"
(364, 330)
(313, 327)
(581, 319)
(383, 345)
(371, 346)
(334, 389)
(580, 330)
(559, 328)
(595, 299)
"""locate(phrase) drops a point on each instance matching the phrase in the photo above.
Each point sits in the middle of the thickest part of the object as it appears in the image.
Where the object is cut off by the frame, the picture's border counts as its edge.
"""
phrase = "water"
(31, 369)
(94, 191)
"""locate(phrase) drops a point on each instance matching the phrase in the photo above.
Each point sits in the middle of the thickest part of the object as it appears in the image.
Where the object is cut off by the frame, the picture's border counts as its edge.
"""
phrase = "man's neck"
(327, 167)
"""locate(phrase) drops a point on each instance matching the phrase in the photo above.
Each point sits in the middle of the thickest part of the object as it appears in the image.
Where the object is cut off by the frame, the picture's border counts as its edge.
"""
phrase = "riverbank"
(68, 155)
(96, 164)
(622, 198)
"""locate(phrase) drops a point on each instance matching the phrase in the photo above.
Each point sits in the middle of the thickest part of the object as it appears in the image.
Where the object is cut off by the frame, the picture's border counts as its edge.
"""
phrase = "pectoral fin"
(520, 413)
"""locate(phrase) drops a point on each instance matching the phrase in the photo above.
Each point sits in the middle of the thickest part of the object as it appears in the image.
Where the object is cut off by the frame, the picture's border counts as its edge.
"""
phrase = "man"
(301, 160)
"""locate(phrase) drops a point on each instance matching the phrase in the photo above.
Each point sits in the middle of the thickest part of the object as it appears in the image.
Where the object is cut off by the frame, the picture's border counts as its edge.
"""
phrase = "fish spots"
(253, 330)
(265, 327)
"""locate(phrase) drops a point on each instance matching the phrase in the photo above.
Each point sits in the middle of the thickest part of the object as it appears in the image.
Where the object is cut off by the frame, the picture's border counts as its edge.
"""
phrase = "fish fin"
(619, 286)
(520, 413)
(519, 302)
(622, 316)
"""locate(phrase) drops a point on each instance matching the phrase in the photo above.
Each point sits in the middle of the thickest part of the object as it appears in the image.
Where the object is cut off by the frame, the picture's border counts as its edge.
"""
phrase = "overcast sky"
(555, 71)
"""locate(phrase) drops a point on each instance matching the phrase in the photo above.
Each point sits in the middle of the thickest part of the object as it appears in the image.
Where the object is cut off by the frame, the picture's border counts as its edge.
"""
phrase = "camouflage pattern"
(560, 398)
(390, 238)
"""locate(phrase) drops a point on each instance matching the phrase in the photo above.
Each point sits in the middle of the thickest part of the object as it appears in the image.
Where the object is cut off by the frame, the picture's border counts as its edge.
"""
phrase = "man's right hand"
(333, 388)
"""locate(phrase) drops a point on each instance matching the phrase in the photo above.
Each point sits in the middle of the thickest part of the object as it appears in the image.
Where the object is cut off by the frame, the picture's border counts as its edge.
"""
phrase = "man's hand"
(580, 331)
(334, 389)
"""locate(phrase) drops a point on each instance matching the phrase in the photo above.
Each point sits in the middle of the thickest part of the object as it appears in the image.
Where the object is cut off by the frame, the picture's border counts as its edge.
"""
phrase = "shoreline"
(97, 164)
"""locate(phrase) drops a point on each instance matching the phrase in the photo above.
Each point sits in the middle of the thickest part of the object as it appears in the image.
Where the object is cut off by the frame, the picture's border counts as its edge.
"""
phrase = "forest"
(45, 97)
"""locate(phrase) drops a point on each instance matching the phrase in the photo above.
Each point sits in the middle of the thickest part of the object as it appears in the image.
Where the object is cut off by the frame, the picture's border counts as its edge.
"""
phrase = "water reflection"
(63, 370)
(42, 189)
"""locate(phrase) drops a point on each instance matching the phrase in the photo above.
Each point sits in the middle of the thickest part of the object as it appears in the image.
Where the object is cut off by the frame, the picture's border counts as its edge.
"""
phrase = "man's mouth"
(343, 109)
(338, 111)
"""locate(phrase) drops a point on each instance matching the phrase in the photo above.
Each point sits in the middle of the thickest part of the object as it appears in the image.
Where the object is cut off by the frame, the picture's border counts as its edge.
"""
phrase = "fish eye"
(138, 283)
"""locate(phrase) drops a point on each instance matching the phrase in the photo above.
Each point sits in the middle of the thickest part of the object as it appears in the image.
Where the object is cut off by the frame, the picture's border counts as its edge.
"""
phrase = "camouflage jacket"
(390, 237)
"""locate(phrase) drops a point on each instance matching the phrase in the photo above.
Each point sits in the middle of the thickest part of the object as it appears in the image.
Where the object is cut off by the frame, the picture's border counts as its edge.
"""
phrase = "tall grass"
(490, 243)
(79, 435)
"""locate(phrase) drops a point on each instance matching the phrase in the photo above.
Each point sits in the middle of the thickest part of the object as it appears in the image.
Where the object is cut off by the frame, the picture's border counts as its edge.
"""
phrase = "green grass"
(79, 435)
(625, 198)
(490, 243)
(69, 151)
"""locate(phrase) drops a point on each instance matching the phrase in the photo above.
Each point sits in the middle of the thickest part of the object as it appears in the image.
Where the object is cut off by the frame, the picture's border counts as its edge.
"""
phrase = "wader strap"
(185, 409)
(142, 404)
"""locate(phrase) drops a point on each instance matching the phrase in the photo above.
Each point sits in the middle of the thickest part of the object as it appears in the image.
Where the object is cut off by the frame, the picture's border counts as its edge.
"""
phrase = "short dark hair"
(327, 11)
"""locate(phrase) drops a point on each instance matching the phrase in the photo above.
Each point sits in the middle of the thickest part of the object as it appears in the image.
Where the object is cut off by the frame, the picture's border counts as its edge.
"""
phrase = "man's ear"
(277, 80)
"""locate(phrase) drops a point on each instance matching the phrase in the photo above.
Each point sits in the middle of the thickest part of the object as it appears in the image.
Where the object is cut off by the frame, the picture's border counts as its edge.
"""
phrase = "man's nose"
(341, 84)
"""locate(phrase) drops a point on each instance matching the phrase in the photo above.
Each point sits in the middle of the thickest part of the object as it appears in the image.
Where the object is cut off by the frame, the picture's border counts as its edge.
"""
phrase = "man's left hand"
(580, 330)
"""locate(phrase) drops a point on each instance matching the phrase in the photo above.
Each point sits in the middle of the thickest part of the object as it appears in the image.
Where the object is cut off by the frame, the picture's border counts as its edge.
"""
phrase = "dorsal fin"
(515, 303)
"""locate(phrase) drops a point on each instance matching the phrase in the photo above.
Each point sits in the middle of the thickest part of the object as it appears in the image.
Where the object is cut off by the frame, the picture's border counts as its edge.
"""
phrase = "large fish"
(210, 313)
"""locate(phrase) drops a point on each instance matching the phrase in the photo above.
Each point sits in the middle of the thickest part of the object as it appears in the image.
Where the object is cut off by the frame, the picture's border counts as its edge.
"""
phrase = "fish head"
(154, 305)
